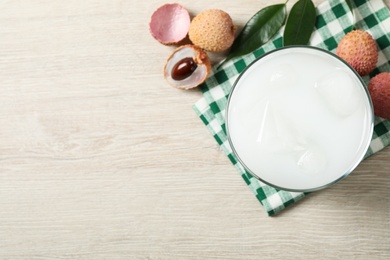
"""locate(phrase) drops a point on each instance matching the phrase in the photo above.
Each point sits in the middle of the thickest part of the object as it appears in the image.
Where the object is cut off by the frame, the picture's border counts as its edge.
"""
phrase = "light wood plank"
(100, 159)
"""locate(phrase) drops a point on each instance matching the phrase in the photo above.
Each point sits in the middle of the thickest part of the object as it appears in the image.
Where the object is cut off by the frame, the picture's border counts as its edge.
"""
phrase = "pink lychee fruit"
(359, 50)
(379, 88)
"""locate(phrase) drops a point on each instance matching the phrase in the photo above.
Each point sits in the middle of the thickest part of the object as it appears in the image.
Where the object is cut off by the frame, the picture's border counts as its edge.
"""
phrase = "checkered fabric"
(333, 21)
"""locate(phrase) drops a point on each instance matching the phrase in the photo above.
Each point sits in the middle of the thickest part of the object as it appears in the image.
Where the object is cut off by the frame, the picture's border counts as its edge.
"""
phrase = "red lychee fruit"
(379, 88)
(359, 50)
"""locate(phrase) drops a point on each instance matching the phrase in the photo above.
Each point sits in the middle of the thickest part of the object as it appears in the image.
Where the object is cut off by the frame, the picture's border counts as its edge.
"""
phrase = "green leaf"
(258, 30)
(300, 23)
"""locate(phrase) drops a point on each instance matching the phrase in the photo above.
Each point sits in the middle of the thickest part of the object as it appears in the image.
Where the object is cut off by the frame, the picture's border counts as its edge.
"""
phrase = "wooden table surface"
(101, 159)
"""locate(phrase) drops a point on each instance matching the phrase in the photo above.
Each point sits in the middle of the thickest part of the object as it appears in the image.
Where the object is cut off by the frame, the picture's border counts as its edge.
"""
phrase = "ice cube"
(266, 127)
(278, 131)
(311, 159)
(252, 114)
(270, 131)
(339, 92)
(282, 75)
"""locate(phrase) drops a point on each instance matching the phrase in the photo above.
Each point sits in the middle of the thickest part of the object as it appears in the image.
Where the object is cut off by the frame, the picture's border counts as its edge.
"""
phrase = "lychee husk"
(359, 50)
(212, 30)
(169, 24)
(379, 88)
(199, 75)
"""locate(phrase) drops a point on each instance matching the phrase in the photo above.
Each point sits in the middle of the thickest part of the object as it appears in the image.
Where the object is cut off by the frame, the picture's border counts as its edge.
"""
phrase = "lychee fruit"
(170, 23)
(359, 50)
(187, 67)
(379, 88)
(212, 30)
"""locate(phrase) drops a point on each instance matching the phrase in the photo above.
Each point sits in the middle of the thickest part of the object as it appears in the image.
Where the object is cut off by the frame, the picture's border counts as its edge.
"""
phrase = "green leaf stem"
(300, 23)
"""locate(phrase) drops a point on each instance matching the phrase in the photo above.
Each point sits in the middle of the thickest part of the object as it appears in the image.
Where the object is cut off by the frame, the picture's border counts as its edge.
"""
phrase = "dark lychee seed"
(184, 68)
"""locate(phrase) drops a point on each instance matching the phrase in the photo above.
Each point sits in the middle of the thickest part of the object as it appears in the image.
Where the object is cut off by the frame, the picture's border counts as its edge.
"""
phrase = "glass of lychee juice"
(299, 118)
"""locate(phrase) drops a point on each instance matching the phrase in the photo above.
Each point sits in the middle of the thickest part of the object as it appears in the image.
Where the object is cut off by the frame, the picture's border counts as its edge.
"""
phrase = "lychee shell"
(359, 50)
(379, 88)
(169, 24)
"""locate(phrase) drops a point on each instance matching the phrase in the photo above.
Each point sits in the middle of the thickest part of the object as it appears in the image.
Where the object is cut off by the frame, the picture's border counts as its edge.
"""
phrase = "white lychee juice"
(299, 118)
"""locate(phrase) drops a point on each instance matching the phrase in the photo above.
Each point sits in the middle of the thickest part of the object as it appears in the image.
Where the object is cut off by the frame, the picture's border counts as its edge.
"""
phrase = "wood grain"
(100, 159)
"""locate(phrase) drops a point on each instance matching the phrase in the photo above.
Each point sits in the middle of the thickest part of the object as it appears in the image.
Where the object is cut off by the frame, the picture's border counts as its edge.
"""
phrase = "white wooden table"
(101, 159)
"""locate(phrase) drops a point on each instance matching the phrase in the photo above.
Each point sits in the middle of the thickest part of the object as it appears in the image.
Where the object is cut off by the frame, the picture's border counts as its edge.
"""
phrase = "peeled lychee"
(379, 88)
(169, 24)
(187, 67)
(359, 50)
(212, 30)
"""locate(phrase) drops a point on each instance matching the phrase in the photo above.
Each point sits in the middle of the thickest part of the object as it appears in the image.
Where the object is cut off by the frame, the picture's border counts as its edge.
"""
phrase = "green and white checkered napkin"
(333, 21)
